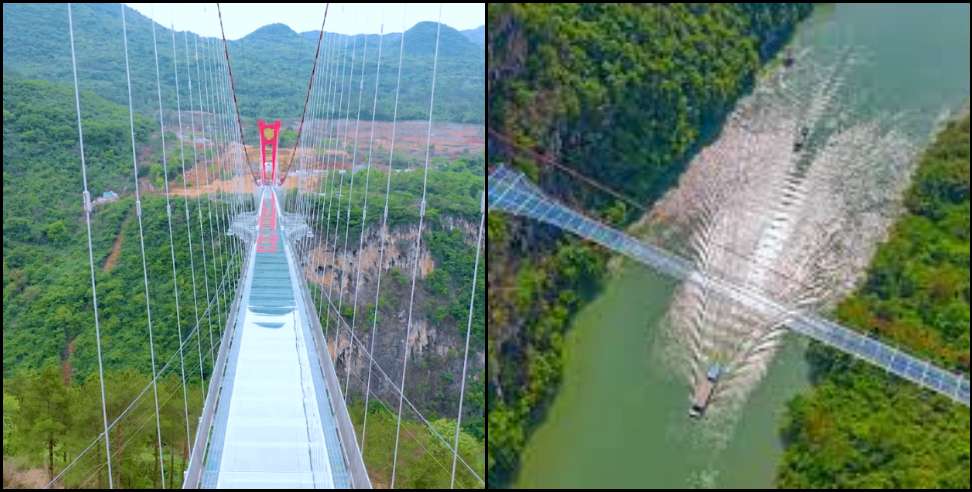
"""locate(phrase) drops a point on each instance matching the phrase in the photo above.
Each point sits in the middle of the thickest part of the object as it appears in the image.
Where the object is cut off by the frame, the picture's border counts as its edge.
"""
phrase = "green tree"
(11, 407)
(44, 413)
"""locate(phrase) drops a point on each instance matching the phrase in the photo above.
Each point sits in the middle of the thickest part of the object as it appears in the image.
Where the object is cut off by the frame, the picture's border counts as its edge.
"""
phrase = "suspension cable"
(384, 221)
(418, 243)
(131, 436)
(168, 215)
(141, 238)
(308, 163)
(87, 219)
(221, 82)
(310, 82)
(229, 67)
(465, 357)
(548, 160)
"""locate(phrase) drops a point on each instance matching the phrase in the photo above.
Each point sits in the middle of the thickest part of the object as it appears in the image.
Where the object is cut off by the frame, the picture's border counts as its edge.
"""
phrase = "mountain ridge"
(267, 87)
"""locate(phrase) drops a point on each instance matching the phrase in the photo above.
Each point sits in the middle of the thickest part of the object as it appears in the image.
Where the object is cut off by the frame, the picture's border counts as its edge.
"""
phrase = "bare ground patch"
(112, 259)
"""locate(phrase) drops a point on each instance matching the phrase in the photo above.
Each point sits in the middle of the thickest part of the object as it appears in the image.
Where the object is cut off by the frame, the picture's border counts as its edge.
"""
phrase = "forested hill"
(624, 94)
(860, 428)
(46, 288)
(40, 136)
(271, 65)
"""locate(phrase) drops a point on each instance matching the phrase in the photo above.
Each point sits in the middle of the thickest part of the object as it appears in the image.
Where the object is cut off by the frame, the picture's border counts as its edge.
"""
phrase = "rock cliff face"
(435, 350)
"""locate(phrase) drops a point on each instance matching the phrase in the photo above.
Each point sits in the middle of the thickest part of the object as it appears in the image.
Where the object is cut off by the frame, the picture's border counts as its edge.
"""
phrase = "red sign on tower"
(269, 135)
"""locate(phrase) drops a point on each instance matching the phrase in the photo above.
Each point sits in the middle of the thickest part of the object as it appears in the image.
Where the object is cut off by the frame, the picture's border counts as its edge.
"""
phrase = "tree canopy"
(859, 427)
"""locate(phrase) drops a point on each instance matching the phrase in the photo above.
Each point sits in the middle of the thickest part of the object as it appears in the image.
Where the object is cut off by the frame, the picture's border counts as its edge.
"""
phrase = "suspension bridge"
(268, 347)
(511, 192)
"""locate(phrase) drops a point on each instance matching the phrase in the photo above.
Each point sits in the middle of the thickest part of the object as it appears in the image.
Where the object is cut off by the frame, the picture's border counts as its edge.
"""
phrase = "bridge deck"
(510, 192)
(274, 425)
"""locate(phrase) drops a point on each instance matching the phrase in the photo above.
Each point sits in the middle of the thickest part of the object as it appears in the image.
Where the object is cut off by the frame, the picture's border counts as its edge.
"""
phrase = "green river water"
(620, 417)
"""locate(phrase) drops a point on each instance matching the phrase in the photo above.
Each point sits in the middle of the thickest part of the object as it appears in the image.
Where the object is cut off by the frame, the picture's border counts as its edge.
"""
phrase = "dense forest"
(45, 267)
(267, 86)
(621, 93)
(858, 427)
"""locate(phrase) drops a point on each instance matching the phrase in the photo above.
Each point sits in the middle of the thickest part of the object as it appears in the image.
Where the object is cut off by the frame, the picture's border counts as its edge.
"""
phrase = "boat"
(704, 391)
(801, 139)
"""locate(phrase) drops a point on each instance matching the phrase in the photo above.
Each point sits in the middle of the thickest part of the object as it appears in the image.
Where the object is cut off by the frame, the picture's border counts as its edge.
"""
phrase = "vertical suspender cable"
(168, 214)
(203, 86)
(328, 107)
(219, 158)
(195, 170)
(185, 188)
(332, 169)
(313, 141)
(347, 220)
(465, 357)
(418, 243)
(87, 219)
(384, 224)
(337, 213)
(203, 107)
(364, 206)
(141, 239)
(230, 206)
(221, 83)
(307, 140)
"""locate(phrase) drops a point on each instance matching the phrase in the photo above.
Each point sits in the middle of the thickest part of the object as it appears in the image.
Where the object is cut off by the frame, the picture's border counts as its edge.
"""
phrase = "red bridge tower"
(269, 136)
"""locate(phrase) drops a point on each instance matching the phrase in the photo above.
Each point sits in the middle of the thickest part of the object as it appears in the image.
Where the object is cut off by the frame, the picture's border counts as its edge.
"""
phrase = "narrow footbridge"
(509, 191)
(275, 414)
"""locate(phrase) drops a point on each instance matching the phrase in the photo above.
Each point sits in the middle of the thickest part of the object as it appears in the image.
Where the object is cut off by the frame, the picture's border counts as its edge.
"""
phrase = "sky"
(240, 19)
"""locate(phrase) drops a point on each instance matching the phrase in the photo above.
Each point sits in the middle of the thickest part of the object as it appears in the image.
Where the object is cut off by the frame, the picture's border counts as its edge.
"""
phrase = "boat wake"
(791, 201)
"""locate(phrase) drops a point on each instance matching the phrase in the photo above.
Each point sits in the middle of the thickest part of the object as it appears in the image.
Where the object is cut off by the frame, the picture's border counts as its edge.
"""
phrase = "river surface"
(620, 417)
